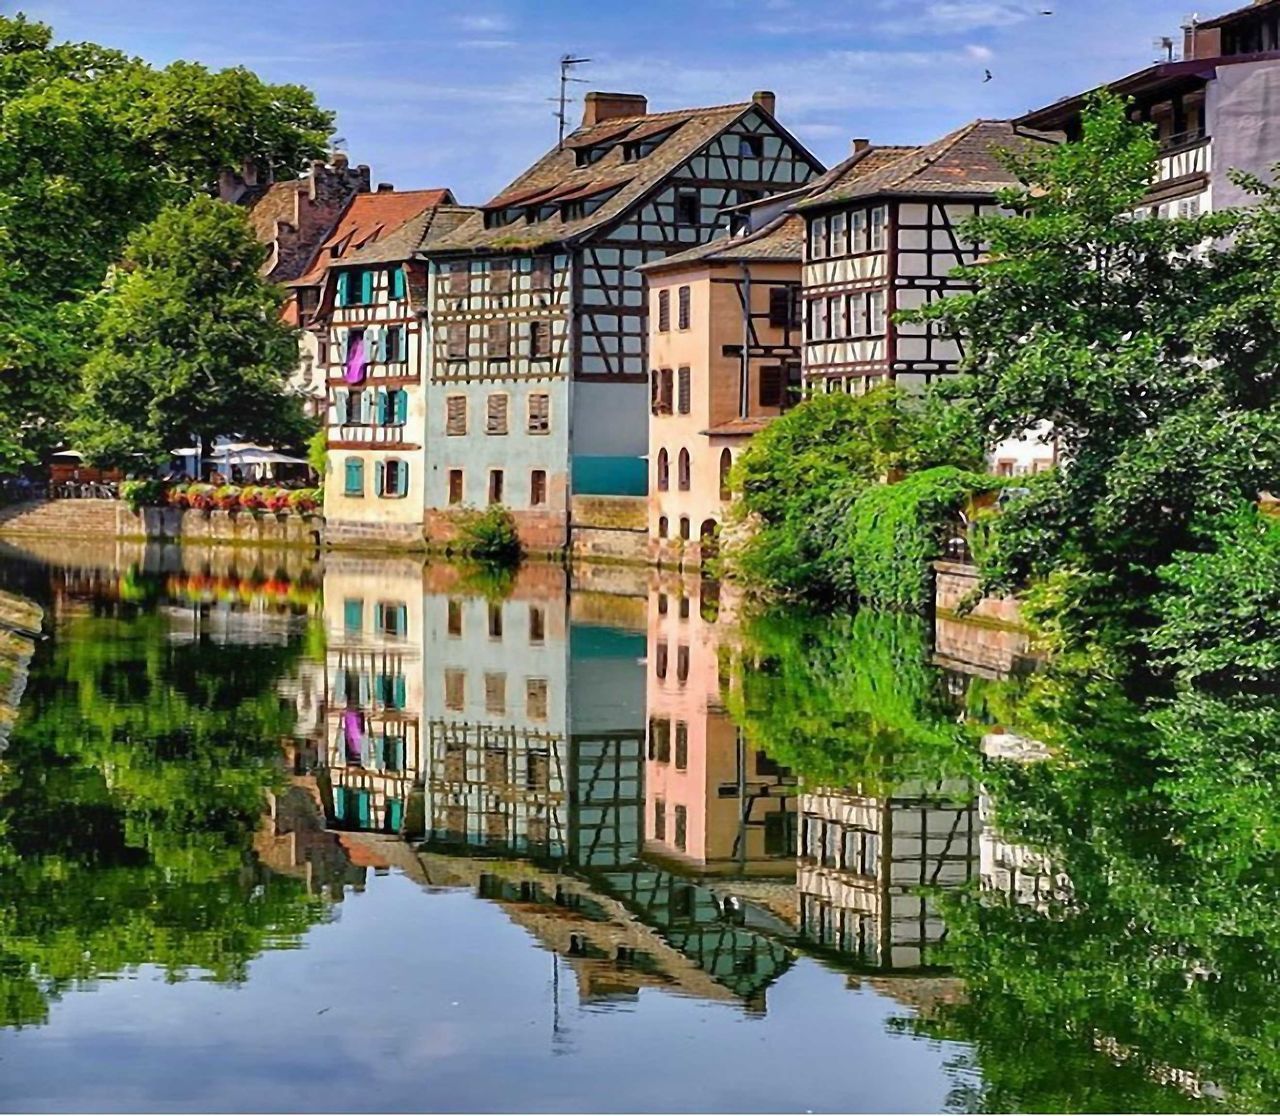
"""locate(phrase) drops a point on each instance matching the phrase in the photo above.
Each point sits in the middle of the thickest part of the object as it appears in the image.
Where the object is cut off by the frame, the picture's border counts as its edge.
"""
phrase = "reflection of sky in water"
(410, 1000)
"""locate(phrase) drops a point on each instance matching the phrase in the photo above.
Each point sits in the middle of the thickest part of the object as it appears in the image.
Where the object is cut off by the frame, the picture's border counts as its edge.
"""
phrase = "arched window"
(684, 527)
(683, 470)
(664, 471)
(663, 527)
(726, 463)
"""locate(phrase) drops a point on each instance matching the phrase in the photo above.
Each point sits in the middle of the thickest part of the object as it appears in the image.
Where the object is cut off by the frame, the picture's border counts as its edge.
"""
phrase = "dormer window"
(586, 156)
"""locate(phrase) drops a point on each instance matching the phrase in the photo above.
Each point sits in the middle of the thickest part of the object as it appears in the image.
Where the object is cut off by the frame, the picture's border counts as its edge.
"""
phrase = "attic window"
(577, 208)
(751, 147)
(585, 156)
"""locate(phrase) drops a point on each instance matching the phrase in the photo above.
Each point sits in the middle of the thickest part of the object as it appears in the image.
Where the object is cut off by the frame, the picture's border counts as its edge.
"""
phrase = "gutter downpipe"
(744, 377)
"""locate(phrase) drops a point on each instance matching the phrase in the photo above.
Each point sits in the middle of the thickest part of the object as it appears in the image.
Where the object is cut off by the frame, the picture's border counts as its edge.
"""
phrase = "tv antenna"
(1163, 46)
(567, 62)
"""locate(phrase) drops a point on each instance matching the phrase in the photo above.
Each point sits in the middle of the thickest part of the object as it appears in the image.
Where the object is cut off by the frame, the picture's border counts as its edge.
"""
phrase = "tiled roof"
(780, 241)
(556, 176)
(377, 228)
(964, 162)
(1236, 14)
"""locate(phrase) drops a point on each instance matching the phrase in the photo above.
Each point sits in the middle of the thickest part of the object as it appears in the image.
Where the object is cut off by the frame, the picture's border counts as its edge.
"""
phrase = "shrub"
(489, 535)
(178, 495)
(227, 497)
(277, 499)
(146, 493)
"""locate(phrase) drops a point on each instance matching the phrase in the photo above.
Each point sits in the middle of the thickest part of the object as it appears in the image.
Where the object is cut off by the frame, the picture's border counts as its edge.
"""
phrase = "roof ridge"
(617, 120)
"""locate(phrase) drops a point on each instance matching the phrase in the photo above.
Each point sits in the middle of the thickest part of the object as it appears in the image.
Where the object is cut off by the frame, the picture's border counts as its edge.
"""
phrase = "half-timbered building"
(369, 340)
(724, 346)
(539, 369)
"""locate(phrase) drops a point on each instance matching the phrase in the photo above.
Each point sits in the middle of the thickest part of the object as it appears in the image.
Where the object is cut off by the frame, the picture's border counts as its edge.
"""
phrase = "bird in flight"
(988, 76)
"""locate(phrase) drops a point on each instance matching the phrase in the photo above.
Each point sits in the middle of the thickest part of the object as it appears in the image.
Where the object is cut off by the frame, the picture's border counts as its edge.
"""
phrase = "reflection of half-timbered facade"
(369, 346)
(884, 236)
(538, 356)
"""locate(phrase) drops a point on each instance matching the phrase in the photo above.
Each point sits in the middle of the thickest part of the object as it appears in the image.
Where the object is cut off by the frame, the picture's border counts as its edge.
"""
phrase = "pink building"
(724, 353)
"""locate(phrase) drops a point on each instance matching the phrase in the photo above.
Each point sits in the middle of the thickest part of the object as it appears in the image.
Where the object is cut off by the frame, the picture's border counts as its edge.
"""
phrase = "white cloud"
(979, 53)
(482, 22)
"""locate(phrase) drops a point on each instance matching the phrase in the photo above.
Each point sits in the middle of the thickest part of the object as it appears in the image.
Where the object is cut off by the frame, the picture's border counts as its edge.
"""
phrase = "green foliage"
(882, 548)
(93, 145)
(800, 476)
(189, 340)
(144, 493)
(489, 535)
(318, 453)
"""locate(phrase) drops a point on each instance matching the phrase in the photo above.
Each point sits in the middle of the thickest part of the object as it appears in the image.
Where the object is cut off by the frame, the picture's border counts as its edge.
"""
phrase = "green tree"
(189, 341)
(93, 144)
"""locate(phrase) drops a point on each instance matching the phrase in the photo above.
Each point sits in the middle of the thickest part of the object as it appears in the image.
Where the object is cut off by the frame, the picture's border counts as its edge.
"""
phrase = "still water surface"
(365, 836)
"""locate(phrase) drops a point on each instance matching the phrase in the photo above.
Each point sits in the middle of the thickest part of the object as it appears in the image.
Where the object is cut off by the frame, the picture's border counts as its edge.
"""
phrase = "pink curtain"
(356, 361)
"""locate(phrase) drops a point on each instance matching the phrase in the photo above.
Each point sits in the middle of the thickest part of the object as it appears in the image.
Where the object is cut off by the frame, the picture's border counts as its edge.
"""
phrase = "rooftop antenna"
(1163, 46)
(566, 62)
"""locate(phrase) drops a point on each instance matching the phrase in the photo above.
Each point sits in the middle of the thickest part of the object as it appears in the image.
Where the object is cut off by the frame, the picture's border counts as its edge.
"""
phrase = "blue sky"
(455, 94)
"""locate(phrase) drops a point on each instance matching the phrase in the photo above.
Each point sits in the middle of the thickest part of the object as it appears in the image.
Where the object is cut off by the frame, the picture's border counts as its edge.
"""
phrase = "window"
(540, 275)
(818, 238)
(663, 392)
(660, 659)
(664, 471)
(495, 620)
(687, 207)
(682, 745)
(460, 279)
(683, 399)
(858, 231)
(393, 478)
(455, 689)
(663, 526)
(539, 340)
(878, 216)
(495, 486)
(857, 311)
(495, 421)
(396, 282)
(456, 341)
(498, 340)
(684, 607)
(537, 624)
(726, 464)
(537, 488)
(393, 407)
(454, 609)
(455, 486)
(682, 827)
(684, 527)
(495, 693)
(818, 319)
(354, 477)
(682, 653)
(455, 408)
(771, 386)
(751, 147)
(682, 472)
(500, 276)
(535, 699)
(396, 344)
(539, 413)
(839, 246)
(784, 307)
(875, 304)
(660, 740)
(392, 619)
(353, 614)
(835, 316)
(664, 310)
(685, 301)
(659, 820)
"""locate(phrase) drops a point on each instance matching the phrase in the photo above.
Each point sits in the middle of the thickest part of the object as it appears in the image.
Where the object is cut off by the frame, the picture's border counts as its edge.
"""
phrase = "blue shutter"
(353, 614)
(381, 344)
(402, 407)
(380, 484)
(355, 476)
(339, 803)
(402, 479)
(366, 407)
(340, 408)
(366, 286)
(397, 282)
(395, 814)
(382, 410)
(340, 686)
(343, 288)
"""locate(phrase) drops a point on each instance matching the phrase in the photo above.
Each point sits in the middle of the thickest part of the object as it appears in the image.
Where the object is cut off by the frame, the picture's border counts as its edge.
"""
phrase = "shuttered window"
(496, 414)
(540, 277)
(397, 282)
(685, 392)
(537, 487)
(455, 486)
(664, 311)
(771, 386)
(664, 471)
(496, 479)
(539, 339)
(393, 478)
(682, 473)
(535, 699)
(500, 276)
(495, 692)
(344, 289)
(665, 393)
(685, 311)
(498, 340)
(456, 414)
(353, 614)
(460, 279)
(539, 413)
(455, 689)
(537, 624)
(354, 477)
(456, 344)
(878, 218)
(366, 286)
(784, 307)
(340, 401)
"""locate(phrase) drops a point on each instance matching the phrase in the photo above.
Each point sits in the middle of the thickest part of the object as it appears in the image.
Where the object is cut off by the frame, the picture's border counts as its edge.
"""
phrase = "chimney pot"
(385, 188)
(339, 160)
(599, 107)
(766, 99)
(860, 145)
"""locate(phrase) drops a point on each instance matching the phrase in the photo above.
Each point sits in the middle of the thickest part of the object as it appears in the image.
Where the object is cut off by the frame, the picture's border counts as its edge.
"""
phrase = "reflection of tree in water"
(129, 796)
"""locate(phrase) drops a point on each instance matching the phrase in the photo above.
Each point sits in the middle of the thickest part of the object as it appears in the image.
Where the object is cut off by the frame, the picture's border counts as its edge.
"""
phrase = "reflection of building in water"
(713, 804)
(372, 754)
(868, 865)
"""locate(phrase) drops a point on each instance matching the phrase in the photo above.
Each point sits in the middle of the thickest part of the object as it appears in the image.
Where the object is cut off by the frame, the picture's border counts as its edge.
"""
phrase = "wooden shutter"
(779, 307)
(496, 414)
(455, 489)
(355, 477)
(539, 413)
(402, 407)
(457, 341)
(402, 478)
(538, 487)
(500, 276)
(771, 386)
(380, 344)
(499, 340)
(460, 279)
(380, 479)
(685, 390)
(340, 408)
(665, 397)
(397, 282)
(685, 300)
(344, 289)
(664, 311)
(366, 286)
(381, 409)
(456, 414)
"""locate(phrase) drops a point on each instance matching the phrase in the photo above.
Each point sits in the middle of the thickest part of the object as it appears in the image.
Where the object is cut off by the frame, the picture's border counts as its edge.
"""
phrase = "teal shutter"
(400, 697)
(402, 407)
(366, 286)
(340, 408)
(383, 410)
(395, 815)
(353, 614)
(339, 803)
(366, 407)
(340, 686)
(397, 282)
(362, 809)
(379, 485)
(402, 479)
(344, 281)
(382, 344)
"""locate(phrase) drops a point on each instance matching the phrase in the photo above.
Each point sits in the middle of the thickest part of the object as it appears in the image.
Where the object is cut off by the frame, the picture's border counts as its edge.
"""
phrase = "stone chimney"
(385, 188)
(860, 145)
(599, 107)
(765, 99)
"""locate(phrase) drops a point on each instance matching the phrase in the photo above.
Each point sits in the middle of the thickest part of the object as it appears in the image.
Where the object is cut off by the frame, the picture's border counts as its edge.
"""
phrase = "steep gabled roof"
(377, 228)
(556, 177)
(964, 163)
(779, 241)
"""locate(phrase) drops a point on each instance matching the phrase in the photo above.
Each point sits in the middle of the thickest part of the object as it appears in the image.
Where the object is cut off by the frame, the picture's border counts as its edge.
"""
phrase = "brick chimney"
(860, 145)
(765, 99)
(599, 107)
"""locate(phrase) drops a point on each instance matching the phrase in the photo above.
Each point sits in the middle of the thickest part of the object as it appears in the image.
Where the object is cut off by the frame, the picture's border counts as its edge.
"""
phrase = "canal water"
(362, 835)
